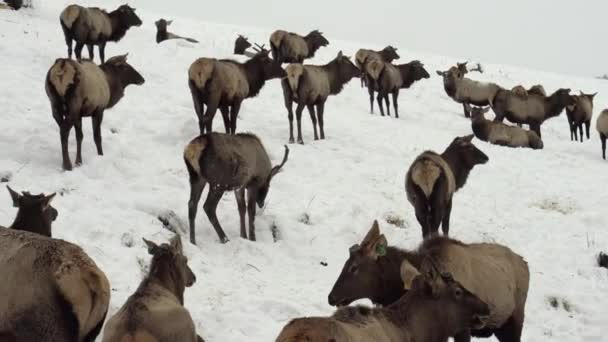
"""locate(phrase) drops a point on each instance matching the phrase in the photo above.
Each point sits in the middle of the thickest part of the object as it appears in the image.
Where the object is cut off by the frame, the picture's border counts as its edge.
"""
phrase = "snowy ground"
(547, 205)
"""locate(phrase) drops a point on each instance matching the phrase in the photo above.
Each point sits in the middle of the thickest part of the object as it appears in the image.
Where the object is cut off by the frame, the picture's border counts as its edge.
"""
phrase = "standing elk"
(225, 83)
(93, 26)
(80, 89)
(467, 91)
(602, 129)
(310, 86)
(228, 162)
(432, 180)
(289, 47)
(388, 55)
(579, 113)
(162, 34)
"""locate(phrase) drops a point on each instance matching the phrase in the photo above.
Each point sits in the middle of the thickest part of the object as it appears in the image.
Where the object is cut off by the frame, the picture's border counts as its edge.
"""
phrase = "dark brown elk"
(94, 26)
(156, 312)
(602, 129)
(310, 85)
(289, 47)
(393, 78)
(580, 113)
(241, 44)
(224, 84)
(426, 313)
(493, 272)
(162, 34)
(466, 91)
(498, 133)
(388, 54)
(55, 292)
(432, 180)
(80, 89)
(533, 110)
(229, 163)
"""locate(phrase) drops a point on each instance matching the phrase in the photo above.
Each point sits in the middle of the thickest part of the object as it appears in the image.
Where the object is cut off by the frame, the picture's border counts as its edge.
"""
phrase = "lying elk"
(467, 91)
(94, 26)
(388, 55)
(498, 133)
(225, 83)
(162, 34)
(393, 78)
(533, 110)
(229, 162)
(80, 89)
(423, 314)
(156, 312)
(289, 47)
(602, 128)
(580, 113)
(432, 180)
(55, 292)
(494, 273)
(310, 86)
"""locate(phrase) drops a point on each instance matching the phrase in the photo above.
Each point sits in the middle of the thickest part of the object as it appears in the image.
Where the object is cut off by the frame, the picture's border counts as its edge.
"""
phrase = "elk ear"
(372, 235)
(377, 248)
(440, 73)
(592, 95)
(46, 201)
(408, 274)
(15, 196)
(169, 22)
(340, 55)
(152, 247)
(468, 138)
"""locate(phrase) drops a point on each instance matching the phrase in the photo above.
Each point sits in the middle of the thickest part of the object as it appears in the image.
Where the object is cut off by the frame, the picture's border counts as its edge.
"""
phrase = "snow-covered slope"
(549, 205)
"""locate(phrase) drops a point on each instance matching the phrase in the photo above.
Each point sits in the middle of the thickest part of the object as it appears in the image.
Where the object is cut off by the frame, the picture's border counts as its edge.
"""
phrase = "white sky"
(553, 35)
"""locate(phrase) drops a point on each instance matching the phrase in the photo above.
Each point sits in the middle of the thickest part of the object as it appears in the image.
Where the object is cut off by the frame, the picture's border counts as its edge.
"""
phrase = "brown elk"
(310, 86)
(498, 133)
(432, 180)
(602, 129)
(580, 113)
(156, 312)
(35, 213)
(466, 91)
(289, 47)
(388, 55)
(228, 162)
(224, 84)
(80, 89)
(162, 34)
(94, 26)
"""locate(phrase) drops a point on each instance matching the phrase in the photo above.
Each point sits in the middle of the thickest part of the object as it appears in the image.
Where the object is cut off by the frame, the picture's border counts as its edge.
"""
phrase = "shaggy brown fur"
(35, 212)
(76, 90)
(94, 26)
(467, 91)
(580, 113)
(289, 47)
(391, 79)
(602, 128)
(363, 56)
(228, 162)
(156, 312)
(498, 133)
(310, 86)
(162, 34)
(432, 180)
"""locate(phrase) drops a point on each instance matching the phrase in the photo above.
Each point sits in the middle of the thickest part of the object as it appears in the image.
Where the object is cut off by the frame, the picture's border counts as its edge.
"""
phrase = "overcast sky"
(553, 35)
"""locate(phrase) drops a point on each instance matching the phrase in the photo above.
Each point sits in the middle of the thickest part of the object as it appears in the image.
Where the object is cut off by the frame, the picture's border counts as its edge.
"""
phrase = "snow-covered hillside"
(550, 205)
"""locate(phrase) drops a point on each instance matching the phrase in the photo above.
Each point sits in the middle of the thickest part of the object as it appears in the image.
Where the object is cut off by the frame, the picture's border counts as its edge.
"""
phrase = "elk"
(310, 86)
(93, 26)
(432, 180)
(229, 162)
(241, 44)
(388, 55)
(56, 292)
(162, 34)
(467, 91)
(580, 113)
(289, 47)
(602, 128)
(156, 312)
(493, 272)
(423, 314)
(392, 79)
(225, 83)
(498, 133)
(533, 110)
(81, 89)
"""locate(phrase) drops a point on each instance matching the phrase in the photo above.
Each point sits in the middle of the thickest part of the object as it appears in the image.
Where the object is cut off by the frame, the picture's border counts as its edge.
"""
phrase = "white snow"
(549, 205)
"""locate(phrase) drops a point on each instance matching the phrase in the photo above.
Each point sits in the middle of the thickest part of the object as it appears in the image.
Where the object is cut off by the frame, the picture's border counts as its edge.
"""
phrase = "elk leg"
(464, 336)
(320, 111)
(210, 206)
(511, 330)
(288, 100)
(445, 225)
(251, 199)
(79, 137)
(212, 105)
(64, 132)
(102, 51)
(313, 118)
(225, 116)
(299, 111)
(97, 119)
(395, 104)
(68, 40)
(240, 201)
(234, 113)
(78, 50)
(467, 110)
(580, 130)
(536, 128)
(388, 105)
(379, 99)
(91, 47)
(370, 91)
(603, 139)
(197, 185)
(587, 125)
(421, 208)
(199, 107)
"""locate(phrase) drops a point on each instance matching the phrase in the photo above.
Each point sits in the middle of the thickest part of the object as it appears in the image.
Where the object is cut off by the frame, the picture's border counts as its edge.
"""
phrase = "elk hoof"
(291, 140)
(300, 141)
(67, 166)
(224, 240)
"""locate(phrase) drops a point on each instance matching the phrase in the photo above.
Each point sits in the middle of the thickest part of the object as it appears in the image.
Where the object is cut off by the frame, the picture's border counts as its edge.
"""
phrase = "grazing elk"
(388, 55)
(94, 26)
(393, 78)
(467, 91)
(602, 128)
(580, 113)
(228, 162)
(156, 312)
(225, 83)
(55, 291)
(493, 272)
(498, 133)
(533, 110)
(310, 86)
(432, 179)
(289, 47)
(423, 314)
(162, 34)
(80, 89)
